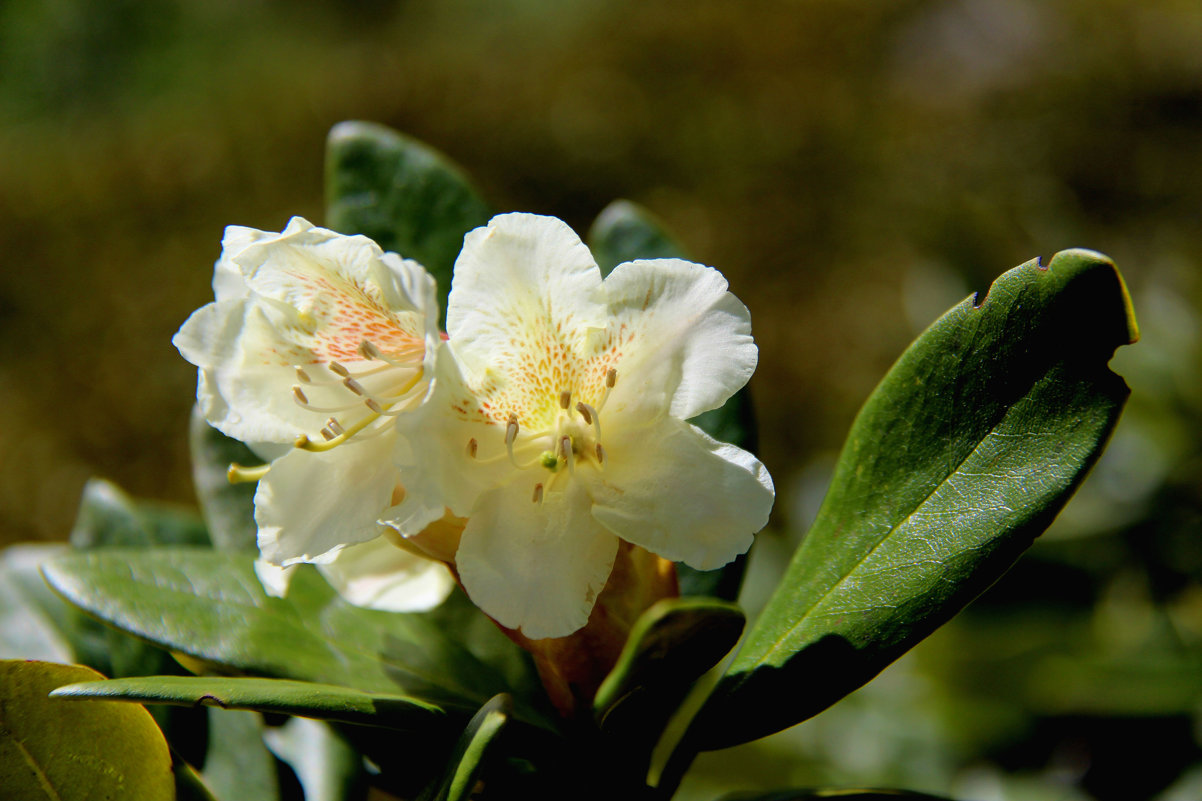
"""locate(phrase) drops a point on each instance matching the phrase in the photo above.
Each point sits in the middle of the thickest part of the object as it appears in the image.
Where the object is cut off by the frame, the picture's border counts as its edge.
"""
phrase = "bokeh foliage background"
(854, 168)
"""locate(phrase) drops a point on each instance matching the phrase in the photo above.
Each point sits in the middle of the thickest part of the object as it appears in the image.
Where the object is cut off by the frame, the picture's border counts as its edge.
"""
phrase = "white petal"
(535, 567)
(275, 579)
(241, 393)
(434, 451)
(515, 279)
(689, 338)
(303, 297)
(311, 503)
(378, 575)
(681, 494)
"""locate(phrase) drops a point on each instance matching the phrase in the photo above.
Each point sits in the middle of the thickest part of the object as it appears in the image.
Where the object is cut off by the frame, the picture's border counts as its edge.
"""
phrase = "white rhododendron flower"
(556, 422)
(316, 342)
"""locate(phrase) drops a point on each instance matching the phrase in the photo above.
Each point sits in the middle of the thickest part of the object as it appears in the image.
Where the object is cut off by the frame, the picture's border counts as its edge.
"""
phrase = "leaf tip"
(1083, 259)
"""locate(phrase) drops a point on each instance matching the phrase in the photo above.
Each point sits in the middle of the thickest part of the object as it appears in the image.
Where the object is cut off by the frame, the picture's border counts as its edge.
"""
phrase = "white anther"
(354, 386)
(335, 426)
(300, 396)
(303, 377)
(327, 434)
(372, 404)
(335, 367)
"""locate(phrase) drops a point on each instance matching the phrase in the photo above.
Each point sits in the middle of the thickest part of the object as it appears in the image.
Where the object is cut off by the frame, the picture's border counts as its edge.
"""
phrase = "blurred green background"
(854, 168)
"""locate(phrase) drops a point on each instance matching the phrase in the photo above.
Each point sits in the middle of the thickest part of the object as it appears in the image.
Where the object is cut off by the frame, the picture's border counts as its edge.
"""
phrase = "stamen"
(335, 426)
(354, 386)
(302, 376)
(591, 417)
(327, 434)
(565, 399)
(565, 448)
(600, 454)
(408, 355)
(336, 367)
(611, 378)
(304, 443)
(237, 474)
(538, 493)
(299, 396)
(472, 446)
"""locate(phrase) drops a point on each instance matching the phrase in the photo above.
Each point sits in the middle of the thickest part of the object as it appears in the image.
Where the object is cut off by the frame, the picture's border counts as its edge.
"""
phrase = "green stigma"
(549, 460)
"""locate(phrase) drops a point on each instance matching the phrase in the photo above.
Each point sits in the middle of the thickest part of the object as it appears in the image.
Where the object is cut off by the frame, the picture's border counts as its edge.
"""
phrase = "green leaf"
(961, 457)
(109, 517)
(238, 766)
(625, 231)
(209, 606)
(467, 759)
(61, 752)
(189, 786)
(328, 768)
(670, 646)
(228, 509)
(406, 196)
(34, 622)
(281, 696)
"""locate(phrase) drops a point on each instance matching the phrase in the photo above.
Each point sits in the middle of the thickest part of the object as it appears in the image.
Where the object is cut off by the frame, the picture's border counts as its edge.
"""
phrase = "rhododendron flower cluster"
(553, 417)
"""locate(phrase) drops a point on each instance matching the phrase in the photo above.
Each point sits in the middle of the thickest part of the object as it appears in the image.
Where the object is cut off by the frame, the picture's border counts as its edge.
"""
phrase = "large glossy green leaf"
(625, 231)
(281, 696)
(960, 458)
(108, 517)
(406, 196)
(228, 509)
(58, 751)
(210, 606)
